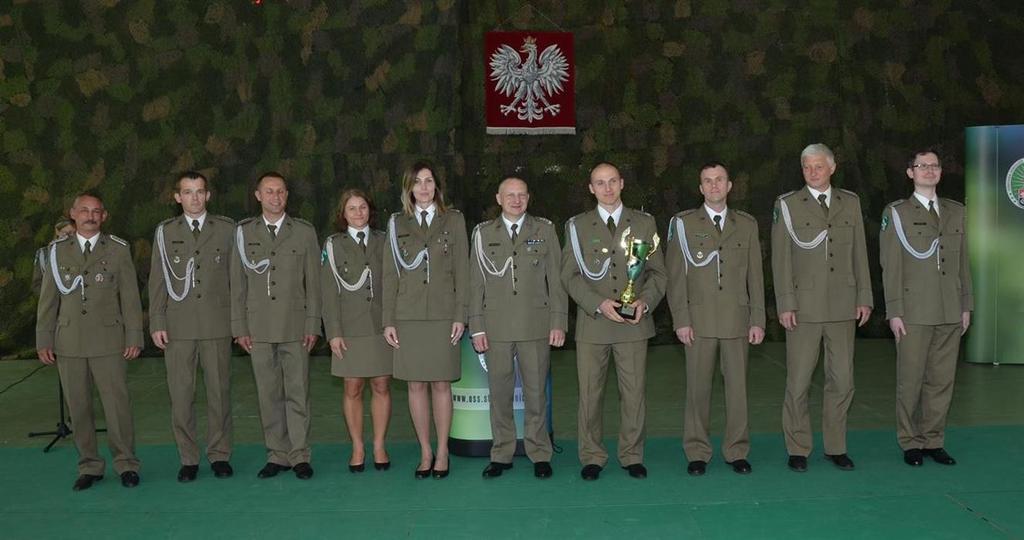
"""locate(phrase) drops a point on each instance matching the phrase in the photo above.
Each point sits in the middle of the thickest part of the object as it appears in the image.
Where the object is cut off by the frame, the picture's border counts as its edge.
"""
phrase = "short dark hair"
(711, 165)
(271, 174)
(340, 223)
(914, 156)
(191, 175)
(95, 194)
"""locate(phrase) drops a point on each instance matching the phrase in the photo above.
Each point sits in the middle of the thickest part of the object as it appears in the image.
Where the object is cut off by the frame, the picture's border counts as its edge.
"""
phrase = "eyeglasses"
(927, 166)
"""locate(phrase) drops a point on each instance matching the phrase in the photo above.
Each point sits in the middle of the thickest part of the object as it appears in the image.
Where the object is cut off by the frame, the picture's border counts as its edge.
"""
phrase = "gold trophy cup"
(637, 251)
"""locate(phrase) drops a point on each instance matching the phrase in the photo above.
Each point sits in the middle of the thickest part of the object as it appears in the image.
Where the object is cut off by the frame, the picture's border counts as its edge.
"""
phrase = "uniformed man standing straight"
(275, 316)
(928, 302)
(89, 322)
(594, 274)
(822, 288)
(190, 319)
(716, 294)
(518, 309)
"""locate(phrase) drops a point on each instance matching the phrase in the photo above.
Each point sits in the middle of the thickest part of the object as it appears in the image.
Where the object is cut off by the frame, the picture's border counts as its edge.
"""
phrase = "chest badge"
(177, 259)
(700, 254)
(99, 278)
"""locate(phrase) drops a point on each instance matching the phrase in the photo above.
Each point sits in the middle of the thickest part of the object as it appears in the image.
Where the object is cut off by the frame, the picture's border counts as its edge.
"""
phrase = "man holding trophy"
(613, 270)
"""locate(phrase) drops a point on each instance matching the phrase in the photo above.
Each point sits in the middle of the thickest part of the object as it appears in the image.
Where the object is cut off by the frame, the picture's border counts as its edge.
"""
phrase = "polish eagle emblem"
(529, 82)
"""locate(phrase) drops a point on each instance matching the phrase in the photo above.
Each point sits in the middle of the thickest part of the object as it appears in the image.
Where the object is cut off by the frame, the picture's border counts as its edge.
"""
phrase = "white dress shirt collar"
(92, 241)
(509, 224)
(354, 233)
(431, 210)
(201, 219)
(828, 195)
(712, 214)
(925, 200)
(616, 214)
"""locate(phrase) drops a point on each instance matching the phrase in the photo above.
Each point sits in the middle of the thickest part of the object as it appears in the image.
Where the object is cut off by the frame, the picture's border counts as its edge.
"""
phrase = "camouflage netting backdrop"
(121, 95)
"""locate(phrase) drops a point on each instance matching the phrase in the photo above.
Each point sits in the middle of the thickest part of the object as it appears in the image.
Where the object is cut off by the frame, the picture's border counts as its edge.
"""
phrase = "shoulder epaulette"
(687, 212)
(786, 194)
(335, 235)
(951, 201)
(302, 221)
(454, 210)
(848, 192)
(545, 221)
(377, 232)
(119, 240)
(247, 220)
(744, 214)
(168, 221)
(223, 219)
(896, 203)
(482, 224)
(641, 212)
(60, 239)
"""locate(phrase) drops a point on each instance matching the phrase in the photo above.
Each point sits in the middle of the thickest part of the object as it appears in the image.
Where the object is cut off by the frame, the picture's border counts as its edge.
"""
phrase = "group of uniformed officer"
(260, 282)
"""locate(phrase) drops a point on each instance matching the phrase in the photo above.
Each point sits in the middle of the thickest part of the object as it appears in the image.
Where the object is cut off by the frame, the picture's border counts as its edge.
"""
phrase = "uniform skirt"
(367, 356)
(426, 352)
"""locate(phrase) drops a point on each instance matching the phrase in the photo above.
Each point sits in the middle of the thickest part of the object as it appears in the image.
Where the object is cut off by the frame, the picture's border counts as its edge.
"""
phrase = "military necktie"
(515, 232)
(824, 205)
(933, 212)
(611, 225)
(273, 230)
(718, 223)
(88, 249)
(423, 220)
(361, 240)
(195, 229)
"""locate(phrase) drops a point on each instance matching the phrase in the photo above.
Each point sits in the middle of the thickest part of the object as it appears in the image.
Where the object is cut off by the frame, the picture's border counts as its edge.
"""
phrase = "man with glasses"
(928, 302)
(822, 288)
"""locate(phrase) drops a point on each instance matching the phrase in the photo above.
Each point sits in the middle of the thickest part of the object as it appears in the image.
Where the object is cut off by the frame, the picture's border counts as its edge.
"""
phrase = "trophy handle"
(657, 242)
(626, 241)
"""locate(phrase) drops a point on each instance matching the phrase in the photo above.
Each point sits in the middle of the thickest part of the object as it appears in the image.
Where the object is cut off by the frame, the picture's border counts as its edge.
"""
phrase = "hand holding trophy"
(637, 251)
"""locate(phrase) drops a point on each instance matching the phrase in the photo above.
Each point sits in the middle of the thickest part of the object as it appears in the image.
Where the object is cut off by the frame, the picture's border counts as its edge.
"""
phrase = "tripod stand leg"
(63, 430)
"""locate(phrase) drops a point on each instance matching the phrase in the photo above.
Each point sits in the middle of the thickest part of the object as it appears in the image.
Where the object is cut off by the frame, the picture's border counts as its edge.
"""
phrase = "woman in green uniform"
(351, 283)
(426, 275)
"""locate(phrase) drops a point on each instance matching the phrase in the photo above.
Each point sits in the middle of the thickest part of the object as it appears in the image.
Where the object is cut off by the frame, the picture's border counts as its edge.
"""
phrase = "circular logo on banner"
(1015, 183)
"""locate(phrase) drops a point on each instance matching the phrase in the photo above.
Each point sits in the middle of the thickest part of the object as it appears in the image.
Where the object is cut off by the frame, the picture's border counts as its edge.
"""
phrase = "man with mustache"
(89, 321)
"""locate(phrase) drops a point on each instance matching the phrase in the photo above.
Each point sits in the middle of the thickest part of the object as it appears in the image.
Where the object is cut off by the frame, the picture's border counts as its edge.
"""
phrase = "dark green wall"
(121, 95)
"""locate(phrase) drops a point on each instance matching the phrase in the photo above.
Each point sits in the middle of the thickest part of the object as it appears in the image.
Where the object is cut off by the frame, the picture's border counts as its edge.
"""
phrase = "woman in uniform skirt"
(351, 285)
(426, 274)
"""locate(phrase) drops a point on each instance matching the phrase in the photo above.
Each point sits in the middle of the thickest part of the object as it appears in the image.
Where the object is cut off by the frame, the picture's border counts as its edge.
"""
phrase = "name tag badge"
(534, 241)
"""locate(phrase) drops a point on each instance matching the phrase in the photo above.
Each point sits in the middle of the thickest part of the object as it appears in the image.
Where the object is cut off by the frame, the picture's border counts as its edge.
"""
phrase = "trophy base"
(626, 311)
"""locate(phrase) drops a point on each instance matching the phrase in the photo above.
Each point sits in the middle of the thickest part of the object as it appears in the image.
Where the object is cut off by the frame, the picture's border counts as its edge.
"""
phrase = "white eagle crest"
(530, 82)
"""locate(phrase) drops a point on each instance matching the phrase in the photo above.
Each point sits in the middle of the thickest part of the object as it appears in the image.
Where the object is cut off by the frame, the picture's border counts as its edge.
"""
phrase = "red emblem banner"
(529, 83)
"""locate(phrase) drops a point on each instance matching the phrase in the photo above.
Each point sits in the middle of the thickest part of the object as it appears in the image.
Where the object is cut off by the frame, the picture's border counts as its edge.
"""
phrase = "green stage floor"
(979, 498)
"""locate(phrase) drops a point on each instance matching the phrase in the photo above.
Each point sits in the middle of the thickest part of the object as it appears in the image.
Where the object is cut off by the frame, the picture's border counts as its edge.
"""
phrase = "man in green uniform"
(89, 322)
(190, 319)
(822, 289)
(275, 317)
(928, 302)
(518, 309)
(594, 275)
(716, 294)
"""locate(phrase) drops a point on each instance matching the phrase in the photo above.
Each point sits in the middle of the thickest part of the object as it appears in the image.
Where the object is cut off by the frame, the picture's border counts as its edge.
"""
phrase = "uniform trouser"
(282, 385)
(631, 370)
(700, 371)
(182, 357)
(803, 345)
(534, 361)
(78, 375)
(925, 369)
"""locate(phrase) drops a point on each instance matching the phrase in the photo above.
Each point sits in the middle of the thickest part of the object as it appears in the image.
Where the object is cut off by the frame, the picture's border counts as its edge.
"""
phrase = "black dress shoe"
(494, 469)
(697, 468)
(591, 472)
(356, 468)
(797, 463)
(542, 469)
(438, 473)
(424, 473)
(86, 481)
(940, 456)
(913, 457)
(636, 470)
(303, 471)
(129, 479)
(382, 465)
(270, 470)
(842, 461)
(187, 473)
(740, 466)
(222, 469)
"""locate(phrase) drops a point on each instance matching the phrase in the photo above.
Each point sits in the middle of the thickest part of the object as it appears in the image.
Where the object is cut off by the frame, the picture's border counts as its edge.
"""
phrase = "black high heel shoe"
(356, 468)
(425, 473)
(382, 465)
(439, 473)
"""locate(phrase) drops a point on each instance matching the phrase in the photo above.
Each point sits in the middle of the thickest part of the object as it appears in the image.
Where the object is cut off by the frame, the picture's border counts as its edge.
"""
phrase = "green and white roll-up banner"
(995, 235)
(471, 401)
